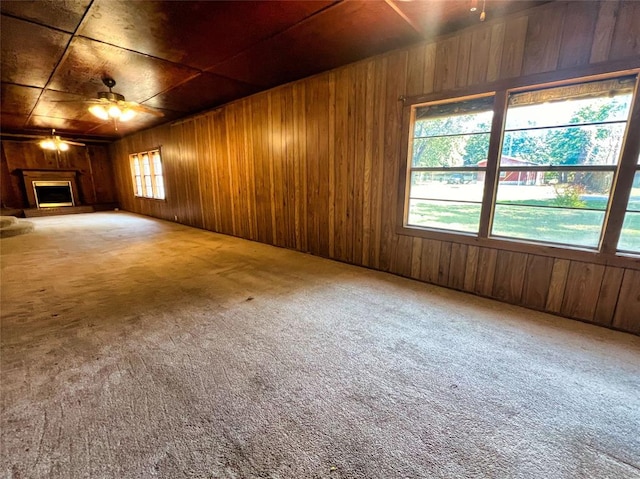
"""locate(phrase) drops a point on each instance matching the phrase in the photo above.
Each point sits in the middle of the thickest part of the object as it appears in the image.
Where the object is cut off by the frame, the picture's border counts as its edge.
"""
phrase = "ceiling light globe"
(127, 115)
(63, 146)
(99, 111)
(47, 145)
(114, 112)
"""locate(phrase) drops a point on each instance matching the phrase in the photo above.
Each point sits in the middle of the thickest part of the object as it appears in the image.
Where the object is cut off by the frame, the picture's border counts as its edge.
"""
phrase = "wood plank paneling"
(544, 35)
(464, 56)
(486, 271)
(628, 309)
(626, 38)
(515, 34)
(340, 186)
(457, 265)
(575, 48)
(395, 85)
(10, 189)
(430, 260)
(601, 45)
(102, 174)
(446, 64)
(581, 293)
(416, 70)
(479, 56)
(557, 285)
(416, 258)
(608, 297)
(445, 262)
(368, 164)
(509, 276)
(377, 161)
(401, 263)
(314, 165)
(429, 67)
(495, 51)
(471, 269)
(536, 281)
(358, 161)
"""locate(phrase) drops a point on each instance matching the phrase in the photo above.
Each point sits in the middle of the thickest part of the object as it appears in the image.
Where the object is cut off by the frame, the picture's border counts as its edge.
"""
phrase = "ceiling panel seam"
(28, 20)
(396, 8)
(313, 16)
(62, 57)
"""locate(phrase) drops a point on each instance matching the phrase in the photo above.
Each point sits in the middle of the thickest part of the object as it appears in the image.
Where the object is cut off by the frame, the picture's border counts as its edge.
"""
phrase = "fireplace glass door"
(53, 194)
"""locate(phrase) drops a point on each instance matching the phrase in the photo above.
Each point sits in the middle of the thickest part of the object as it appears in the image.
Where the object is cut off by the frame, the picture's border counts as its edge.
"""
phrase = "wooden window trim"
(607, 254)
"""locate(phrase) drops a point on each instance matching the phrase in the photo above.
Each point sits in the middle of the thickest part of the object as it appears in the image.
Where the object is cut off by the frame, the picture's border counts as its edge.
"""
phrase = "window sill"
(164, 200)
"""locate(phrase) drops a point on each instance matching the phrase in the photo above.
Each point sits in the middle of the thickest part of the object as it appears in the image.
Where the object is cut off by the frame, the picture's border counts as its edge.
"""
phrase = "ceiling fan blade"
(74, 143)
(140, 108)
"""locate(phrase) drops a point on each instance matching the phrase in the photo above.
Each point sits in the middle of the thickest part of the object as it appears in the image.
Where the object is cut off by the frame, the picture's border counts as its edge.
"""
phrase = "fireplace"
(50, 189)
(53, 194)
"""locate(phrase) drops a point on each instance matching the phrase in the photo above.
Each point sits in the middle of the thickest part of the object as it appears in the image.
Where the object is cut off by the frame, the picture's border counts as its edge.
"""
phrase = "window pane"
(450, 151)
(454, 186)
(552, 225)
(598, 101)
(462, 117)
(452, 134)
(136, 165)
(138, 186)
(159, 188)
(564, 189)
(578, 145)
(634, 197)
(157, 166)
(145, 165)
(445, 215)
(630, 235)
(148, 187)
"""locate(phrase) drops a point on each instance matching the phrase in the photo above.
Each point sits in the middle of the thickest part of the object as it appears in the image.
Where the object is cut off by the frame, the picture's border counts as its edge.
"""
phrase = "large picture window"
(146, 171)
(549, 176)
(560, 150)
(449, 149)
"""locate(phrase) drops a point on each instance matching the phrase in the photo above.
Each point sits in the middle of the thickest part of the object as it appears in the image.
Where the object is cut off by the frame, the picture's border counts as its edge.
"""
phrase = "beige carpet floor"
(137, 348)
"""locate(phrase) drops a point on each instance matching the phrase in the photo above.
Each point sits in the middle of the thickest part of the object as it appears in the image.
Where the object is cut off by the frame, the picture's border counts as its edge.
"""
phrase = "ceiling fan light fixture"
(99, 111)
(114, 112)
(62, 146)
(47, 144)
(127, 115)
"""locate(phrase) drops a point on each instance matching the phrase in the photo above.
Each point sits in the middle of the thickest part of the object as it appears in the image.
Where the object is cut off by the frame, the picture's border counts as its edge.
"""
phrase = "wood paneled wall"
(95, 171)
(314, 165)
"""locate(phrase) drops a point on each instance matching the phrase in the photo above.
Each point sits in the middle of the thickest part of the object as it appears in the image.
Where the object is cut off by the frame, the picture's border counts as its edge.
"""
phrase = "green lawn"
(554, 225)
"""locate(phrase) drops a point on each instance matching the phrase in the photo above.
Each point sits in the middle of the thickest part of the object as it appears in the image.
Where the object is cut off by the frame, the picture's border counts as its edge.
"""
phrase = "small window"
(630, 234)
(560, 152)
(146, 171)
(447, 164)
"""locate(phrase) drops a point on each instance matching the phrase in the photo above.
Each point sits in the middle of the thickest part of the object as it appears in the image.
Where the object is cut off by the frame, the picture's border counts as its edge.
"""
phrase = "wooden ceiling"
(185, 57)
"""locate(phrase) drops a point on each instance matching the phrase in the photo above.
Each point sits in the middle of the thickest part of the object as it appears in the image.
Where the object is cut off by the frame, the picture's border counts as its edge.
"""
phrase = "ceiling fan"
(55, 143)
(110, 105)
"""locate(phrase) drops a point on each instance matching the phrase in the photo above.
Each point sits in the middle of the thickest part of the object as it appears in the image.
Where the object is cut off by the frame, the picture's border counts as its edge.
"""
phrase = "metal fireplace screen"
(53, 194)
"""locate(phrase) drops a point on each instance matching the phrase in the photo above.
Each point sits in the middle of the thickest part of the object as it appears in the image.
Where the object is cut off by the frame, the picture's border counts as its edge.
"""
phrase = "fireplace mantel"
(31, 175)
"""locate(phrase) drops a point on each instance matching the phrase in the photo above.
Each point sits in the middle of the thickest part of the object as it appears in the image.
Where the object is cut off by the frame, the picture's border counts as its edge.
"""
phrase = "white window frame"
(148, 183)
